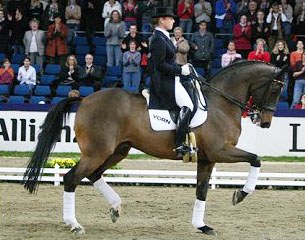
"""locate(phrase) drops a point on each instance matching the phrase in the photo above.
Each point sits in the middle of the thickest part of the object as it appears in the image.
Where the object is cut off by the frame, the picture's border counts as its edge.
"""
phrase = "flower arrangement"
(62, 162)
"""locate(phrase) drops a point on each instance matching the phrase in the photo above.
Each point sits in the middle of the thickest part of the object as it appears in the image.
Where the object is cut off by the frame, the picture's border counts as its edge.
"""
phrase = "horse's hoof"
(114, 214)
(79, 230)
(238, 196)
(208, 230)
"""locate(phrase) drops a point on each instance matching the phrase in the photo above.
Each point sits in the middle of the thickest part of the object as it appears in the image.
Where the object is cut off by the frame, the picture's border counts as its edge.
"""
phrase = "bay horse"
(109, 122)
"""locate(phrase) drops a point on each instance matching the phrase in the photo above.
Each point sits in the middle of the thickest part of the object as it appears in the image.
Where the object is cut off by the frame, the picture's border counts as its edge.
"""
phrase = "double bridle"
(244, 106)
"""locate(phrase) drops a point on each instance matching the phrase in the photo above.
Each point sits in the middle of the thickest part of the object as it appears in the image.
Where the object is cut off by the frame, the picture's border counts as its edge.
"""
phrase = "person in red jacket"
(260, 54)
(242, 36)
(57, 47)
(185, 13)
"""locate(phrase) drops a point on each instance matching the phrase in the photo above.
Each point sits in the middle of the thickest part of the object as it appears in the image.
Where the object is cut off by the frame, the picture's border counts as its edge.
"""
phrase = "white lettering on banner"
(286, 136)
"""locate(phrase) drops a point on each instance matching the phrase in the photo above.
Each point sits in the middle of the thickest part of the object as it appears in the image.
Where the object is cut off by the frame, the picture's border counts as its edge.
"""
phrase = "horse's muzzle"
(266, 118)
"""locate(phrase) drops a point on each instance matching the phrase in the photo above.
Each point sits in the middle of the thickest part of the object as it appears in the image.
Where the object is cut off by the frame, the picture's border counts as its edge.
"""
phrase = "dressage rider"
(166, 85)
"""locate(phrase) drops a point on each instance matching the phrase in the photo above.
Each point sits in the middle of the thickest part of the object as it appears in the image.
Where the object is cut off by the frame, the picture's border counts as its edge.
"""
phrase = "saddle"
(164, 120)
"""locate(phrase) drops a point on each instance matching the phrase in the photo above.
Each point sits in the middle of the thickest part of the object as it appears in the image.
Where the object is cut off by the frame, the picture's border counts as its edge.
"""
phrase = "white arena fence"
(158, 177)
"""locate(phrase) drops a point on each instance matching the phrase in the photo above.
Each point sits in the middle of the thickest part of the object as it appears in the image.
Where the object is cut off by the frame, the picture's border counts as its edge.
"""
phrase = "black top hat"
(163, 12)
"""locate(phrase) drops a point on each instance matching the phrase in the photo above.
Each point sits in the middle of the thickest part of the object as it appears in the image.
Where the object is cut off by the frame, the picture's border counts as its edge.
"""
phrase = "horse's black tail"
(47, 138)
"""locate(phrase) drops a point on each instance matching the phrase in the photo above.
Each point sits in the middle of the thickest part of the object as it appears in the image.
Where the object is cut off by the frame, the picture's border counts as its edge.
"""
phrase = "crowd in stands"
(116, 35)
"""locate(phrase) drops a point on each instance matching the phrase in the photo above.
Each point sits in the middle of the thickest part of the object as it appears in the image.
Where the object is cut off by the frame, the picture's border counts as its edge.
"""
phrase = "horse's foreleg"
(232, 155)
(204, 171)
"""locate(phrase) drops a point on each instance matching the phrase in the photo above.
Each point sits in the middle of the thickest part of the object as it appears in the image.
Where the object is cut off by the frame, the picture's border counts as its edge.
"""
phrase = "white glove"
(185, 70)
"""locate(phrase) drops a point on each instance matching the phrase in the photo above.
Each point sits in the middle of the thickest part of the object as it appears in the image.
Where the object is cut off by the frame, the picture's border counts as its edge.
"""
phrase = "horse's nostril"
(265, 125)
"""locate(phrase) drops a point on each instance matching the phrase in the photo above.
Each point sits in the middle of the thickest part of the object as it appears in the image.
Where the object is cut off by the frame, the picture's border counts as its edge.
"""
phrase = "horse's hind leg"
(71, 180)
(103, 188)
(204, 170)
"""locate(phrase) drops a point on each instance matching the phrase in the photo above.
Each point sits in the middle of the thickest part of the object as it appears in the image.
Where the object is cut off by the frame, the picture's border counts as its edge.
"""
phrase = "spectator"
(129, 13)
(260, 54)
(131, 66)
(36, 10)
(70, 73)
(114, 33)
(6, 73)
(225, 11)
(275, 18)
(203, 11)
(92, 14)
(181, 45)
(57, 47)
(260, 29)
(34, 42)
(252, 12)
(300, 21)
(264, 6)
(146, 8)
(299, 86)
(287, 25)
(280, 58)
(73, 15)
(74, 94)
(27, 74)
(202, 44)
(242, 8)
(109, 6)
(90, 74)
(53, 9)
(4, 34)
(296, 55)
(301, 104)
(230, 56)
(242, 36)
(18, 26)
(186, 14)
(142, 45)
(2, 6)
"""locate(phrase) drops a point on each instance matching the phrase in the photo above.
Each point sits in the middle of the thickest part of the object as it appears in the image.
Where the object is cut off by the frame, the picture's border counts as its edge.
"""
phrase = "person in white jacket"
(109, 6)
(27, 74)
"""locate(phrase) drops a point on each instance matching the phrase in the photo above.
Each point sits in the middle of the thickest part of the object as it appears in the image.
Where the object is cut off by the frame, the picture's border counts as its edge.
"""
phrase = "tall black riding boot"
(181, 131)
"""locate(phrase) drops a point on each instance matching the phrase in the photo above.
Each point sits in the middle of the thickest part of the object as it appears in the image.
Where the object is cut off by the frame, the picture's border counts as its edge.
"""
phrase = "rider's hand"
(185, 70)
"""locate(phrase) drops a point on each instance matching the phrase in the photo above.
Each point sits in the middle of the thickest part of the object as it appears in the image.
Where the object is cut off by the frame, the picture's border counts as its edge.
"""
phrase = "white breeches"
(182, 97)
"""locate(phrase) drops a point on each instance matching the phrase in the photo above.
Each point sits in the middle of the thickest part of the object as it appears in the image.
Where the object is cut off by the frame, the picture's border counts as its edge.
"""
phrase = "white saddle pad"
(160, 120)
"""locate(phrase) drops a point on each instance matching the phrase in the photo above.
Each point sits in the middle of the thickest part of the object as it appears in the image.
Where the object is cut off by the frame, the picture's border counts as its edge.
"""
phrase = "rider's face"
(167, 22)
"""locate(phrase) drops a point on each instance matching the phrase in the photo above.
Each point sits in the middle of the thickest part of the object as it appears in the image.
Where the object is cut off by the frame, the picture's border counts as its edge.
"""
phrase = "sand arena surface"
(155, 212)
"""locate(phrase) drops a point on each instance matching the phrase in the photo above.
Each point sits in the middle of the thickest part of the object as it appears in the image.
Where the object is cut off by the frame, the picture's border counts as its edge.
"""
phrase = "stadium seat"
(219, 43)
(80, 41)
(22, 90)
(216, 63)
(37, 99)
(101, 50)
(110, 81)
(17, 58)
(42, 90)
(100, 61)
(2, 57)
(99, 41)
(52, 69)
(16, 99)
(219, 52)
(5, 89)
(56, 100)
(15, 67)
(37, 68)
(80, 59)
(131, 89)
(114, 71)
(282, 105)
(82, 50)
(85, 91)
(63, 91)
(47, 79)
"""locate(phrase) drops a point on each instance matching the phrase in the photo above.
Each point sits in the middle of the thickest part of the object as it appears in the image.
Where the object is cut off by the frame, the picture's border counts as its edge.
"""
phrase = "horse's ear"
(278, 73)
